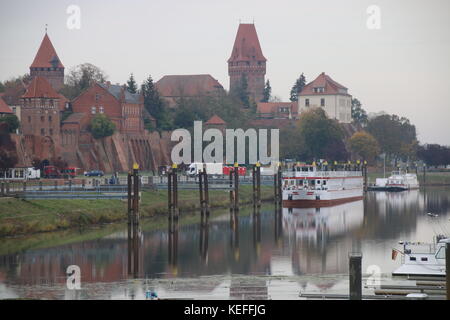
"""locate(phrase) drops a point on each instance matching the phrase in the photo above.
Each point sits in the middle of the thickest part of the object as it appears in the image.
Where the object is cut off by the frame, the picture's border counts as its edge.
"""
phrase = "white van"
(211, 168)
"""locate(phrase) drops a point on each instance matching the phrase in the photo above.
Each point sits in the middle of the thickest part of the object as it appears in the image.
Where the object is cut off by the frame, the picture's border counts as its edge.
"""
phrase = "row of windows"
(100, 109)
(319, 90)
(42, 119)
(322, 102)
(50, 132)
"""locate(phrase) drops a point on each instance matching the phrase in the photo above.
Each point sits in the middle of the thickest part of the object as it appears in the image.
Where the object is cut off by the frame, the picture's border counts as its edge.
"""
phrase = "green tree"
(132, 85)
(102, 126)
(12, 121)
(8, 154)
(298, 87)
(320, 136)
(359, 115)
(80, 78)
(2, 87)
(267, 92)
(155, 105)
(364, 145)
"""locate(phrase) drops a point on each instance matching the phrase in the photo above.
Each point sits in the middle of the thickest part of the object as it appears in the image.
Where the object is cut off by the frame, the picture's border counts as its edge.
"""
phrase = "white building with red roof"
(326, 93)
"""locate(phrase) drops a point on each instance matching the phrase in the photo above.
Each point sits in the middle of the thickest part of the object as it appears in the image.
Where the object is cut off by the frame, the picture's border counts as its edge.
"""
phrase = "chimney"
(108, 84)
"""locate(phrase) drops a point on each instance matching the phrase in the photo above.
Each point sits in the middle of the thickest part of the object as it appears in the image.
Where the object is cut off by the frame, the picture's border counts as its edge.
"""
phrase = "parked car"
(94, 173)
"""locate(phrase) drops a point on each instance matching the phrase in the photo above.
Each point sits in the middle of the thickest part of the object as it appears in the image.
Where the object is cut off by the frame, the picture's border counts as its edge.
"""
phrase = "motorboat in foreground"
(422, 259)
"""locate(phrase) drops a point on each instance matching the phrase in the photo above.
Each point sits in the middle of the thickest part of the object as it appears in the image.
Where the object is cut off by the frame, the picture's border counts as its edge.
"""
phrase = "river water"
(267, 255)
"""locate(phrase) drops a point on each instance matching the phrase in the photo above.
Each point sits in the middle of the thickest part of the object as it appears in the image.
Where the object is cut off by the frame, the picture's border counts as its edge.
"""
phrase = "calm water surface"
(270, 255)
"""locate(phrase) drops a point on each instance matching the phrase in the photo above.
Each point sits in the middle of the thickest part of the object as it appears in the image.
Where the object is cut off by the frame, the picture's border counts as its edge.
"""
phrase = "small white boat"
(401, 181)
(422, 259)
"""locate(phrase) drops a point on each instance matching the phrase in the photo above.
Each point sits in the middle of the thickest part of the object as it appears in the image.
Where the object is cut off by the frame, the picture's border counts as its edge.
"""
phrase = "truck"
(54, 172)
(211, 168)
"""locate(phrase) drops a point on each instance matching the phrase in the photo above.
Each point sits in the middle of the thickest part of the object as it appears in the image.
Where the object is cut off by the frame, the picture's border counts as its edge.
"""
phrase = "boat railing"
(419, 248)
(321, 174)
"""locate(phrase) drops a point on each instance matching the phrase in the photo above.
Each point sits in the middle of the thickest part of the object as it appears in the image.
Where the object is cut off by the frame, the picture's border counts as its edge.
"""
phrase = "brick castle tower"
(247, 58)
(47, 64)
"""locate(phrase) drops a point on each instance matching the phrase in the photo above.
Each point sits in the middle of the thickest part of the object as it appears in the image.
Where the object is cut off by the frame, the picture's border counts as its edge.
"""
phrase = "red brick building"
(48, 65)
(40, 114)
(119, 105)
(172, 87)
(247, 59)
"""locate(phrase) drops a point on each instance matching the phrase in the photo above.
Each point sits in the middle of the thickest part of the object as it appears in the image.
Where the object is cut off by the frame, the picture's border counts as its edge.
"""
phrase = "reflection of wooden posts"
(355, 276)
(173, 244)
(236, 187)
(130, 244)
(424, 174)
(56, 185)
(24, 186)
(277, 177)
(257, 231)
(278, 225)
(204, 230)
(3, 188)
(447, 268)
(258, 184)
(7, 188)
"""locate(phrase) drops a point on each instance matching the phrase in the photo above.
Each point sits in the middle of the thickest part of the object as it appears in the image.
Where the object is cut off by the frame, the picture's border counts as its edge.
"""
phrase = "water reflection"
(232, 250)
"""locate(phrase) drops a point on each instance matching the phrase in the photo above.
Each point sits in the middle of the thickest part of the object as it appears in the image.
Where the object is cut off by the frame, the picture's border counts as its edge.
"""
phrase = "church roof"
(246, 45)
(215, 120)
(4, 108)
(187, 85)
(40, 88)
(324, 81)
(46, 56)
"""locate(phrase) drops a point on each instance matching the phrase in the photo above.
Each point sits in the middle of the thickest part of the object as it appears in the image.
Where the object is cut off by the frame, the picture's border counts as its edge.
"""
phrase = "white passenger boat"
(308, 186)
(422, 259)
(401, 181)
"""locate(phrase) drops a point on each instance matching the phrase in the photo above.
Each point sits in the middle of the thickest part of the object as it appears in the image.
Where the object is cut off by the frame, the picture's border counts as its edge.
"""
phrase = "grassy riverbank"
(20, 217)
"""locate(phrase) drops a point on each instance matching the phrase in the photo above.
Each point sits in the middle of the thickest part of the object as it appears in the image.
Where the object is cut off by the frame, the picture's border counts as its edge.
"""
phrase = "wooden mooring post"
(364, 172)
(236, 187)
(133, 217)
(277, 185)
(355, 277)
(204, 196)
(447, 269)
(172, 185)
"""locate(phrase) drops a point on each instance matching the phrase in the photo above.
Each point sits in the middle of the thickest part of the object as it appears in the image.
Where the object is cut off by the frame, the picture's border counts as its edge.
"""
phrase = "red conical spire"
(246, 46)
(46, 56)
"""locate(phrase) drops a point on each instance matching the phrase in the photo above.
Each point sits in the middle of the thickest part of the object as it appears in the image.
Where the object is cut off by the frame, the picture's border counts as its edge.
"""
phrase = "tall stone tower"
(247, 58)
(47, 64)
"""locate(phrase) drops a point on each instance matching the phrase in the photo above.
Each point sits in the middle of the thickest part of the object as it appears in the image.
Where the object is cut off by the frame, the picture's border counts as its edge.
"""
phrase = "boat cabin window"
(441, 253)
(324, 182)
(412, 258)
(424, 259)
(313, 182)
(318, 182)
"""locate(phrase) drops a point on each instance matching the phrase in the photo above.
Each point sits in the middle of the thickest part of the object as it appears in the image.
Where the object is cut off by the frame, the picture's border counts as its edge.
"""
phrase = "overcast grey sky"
(402, 68)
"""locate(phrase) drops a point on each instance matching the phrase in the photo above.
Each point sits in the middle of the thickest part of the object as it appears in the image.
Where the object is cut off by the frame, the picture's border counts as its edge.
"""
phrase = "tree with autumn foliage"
(364, 145)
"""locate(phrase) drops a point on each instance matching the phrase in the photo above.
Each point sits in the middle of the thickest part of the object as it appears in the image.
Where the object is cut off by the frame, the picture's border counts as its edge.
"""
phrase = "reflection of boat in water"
(422, 259)
(319, 223)
(306, 186)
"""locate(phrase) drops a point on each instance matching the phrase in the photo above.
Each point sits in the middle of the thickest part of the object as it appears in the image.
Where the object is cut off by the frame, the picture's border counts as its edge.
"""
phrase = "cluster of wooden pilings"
(133, 182)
